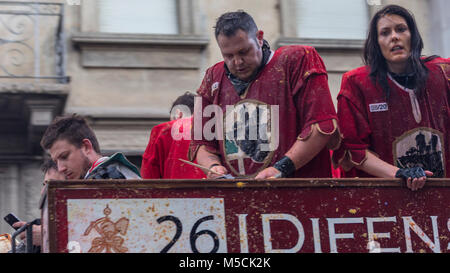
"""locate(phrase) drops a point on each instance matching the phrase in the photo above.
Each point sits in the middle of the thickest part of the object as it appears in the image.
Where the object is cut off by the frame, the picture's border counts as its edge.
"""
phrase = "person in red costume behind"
(394, 112)
(169, 142)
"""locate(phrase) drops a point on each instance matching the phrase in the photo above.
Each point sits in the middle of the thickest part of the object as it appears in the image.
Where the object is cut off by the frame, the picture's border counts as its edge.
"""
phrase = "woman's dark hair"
(374, 58)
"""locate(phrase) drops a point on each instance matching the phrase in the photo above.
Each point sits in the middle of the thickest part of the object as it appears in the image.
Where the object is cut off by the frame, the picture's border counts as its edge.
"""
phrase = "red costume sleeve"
(446, 71)
(313, 99)
(318, 111)
(206, 91)
(308, 63)
(354, 125)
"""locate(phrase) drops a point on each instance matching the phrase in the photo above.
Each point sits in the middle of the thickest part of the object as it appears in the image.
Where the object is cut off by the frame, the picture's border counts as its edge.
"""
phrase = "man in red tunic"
(169, 142)
(277, 108)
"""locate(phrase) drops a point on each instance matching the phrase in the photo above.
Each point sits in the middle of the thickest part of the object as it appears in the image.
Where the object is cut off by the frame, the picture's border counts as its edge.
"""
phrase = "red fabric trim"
(325, 127)
(96, 163)
(193, 149)
(347, 159)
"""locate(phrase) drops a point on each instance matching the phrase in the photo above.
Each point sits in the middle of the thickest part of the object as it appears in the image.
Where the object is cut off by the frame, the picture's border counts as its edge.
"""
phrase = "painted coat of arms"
(109, 240)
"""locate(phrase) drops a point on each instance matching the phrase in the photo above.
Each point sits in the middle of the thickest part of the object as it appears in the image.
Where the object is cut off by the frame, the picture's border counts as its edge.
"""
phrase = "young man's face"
(242, 54)
(71, 161)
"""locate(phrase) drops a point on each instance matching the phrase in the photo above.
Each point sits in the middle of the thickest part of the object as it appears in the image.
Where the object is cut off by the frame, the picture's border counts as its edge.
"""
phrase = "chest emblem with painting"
(248, 135)
(420, 147)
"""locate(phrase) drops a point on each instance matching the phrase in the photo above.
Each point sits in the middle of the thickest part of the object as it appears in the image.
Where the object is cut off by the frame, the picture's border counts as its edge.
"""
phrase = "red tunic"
(405, 131)
(160, 159)
(294, 82)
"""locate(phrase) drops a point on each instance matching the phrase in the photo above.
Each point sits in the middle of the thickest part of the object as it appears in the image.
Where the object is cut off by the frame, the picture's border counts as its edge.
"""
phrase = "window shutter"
(138, 16)
(332, 19)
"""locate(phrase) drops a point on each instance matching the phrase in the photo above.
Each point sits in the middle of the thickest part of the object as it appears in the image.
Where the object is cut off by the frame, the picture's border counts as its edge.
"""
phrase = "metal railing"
(27, 31)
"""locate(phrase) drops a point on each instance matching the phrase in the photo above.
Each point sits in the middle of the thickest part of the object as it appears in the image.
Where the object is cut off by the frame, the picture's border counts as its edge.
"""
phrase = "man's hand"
(269, 172)
(415, 177)
(218, 169)
(36, 233)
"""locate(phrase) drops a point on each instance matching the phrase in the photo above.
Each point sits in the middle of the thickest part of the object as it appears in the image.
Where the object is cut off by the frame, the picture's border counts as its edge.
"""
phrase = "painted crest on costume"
(248, 136)
(420, 147)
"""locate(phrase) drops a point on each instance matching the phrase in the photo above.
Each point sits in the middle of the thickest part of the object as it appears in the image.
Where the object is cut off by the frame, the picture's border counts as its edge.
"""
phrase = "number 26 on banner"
(193, 235)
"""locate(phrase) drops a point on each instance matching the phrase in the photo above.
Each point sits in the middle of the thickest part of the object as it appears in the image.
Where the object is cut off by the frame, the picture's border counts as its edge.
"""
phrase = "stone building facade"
(122, 63)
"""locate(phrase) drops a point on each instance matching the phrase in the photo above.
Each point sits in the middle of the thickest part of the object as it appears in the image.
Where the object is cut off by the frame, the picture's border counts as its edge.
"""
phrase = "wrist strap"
(414, 172)
(285, 166)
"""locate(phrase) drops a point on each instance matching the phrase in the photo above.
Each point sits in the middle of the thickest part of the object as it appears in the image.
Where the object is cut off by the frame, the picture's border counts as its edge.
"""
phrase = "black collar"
(405, 80)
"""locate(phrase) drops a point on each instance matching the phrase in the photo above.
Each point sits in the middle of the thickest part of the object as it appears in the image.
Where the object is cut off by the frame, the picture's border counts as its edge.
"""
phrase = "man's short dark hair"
(48, 164)
(228, 23)
(185, 99)
(73, 128)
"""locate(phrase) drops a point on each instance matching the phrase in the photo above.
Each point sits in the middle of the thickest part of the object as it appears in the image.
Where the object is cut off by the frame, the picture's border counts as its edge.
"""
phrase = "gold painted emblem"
(108, 230)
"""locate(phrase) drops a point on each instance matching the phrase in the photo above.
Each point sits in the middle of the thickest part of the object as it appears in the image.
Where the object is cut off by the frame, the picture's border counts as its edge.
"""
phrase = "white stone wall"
(20, 186)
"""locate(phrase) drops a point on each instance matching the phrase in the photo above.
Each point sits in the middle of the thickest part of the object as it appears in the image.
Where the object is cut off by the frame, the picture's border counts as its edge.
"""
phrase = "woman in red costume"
(394, 113)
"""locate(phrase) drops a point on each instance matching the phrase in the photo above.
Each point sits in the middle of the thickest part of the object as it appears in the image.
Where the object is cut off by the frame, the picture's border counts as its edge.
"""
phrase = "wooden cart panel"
(285, 215)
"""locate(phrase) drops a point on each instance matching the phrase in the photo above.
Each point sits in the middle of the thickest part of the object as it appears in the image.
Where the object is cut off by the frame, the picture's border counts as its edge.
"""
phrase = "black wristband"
(285, 166)
(415, 172)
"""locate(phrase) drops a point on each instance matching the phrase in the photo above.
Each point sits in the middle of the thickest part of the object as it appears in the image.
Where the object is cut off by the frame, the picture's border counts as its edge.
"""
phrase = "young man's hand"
(36, 232)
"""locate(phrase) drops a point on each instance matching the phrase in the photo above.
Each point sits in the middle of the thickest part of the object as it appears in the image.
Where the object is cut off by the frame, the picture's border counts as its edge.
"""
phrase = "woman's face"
(394, 39)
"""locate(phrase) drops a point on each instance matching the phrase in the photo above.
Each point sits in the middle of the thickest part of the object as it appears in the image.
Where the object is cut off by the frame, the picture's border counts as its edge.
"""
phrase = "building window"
(326, 24)
(331, 19)
(157, 34)
(138, 16)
